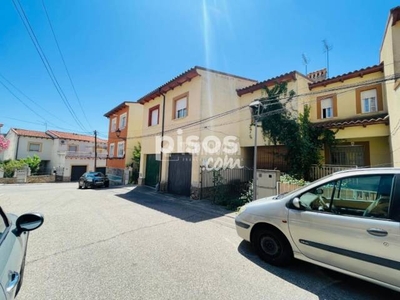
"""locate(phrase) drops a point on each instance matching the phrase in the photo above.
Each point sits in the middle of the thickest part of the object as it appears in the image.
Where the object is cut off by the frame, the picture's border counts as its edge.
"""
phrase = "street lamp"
(255, 107)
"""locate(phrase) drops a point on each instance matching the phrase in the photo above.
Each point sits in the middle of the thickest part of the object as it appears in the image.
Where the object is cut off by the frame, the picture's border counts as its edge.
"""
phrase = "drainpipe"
(162, 139)
(16, 153)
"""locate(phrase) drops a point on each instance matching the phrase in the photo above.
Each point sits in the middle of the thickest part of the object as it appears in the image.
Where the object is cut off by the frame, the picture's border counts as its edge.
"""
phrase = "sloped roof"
(119, 107)
(346, 76)
(181, 79)
(73, 136)
(357, 121)
(31, 133)
(260, 85)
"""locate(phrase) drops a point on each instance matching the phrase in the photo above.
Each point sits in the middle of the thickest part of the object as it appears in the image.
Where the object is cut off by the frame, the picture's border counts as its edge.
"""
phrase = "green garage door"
(152, 170)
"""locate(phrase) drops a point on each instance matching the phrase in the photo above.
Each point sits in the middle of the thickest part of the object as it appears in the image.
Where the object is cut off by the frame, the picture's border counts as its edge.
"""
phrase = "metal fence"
(229, 176)
(324, 170)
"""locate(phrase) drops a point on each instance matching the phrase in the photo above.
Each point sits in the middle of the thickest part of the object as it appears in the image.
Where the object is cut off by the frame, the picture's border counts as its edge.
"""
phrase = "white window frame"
(34, 150)
(113, 124)
(121, 149)
(112, 150)
(181, 108)
(369, 101)
(327, 106)
(122, 121)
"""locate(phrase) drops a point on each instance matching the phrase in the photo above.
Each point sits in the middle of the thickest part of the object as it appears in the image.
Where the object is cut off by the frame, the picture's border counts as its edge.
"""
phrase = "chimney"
(318, 75)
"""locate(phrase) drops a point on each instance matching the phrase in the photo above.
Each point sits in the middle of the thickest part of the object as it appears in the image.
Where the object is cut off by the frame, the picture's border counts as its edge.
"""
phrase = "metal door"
(152, 170)
(180, 174)
(77, 172)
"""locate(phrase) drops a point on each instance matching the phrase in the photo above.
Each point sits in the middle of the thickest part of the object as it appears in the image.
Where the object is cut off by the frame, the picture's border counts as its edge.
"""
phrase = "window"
(37, 147)
(369, 101)
(364, 196)
(180, 110)
(73, 148)
(113, 125)
(122, 121)
(111, 152)
(327, 106)
(121, 148)
(154, 115)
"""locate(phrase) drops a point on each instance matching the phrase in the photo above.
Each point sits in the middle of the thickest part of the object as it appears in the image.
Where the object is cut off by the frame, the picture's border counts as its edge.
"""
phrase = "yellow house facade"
(354, 106)
(390, 58)
(188, 126)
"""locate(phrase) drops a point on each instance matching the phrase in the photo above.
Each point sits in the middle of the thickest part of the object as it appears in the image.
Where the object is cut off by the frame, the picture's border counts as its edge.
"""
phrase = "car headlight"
(89, 180)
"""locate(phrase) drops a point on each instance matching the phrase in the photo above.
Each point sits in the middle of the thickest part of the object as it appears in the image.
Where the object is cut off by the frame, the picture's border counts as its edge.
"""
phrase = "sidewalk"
(203, 205)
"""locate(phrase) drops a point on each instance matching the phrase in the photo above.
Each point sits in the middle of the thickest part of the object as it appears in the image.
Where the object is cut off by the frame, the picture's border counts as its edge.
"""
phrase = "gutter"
(162, 140)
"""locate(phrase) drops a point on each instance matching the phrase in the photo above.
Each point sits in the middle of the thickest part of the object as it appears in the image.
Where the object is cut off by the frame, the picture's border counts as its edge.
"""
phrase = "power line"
(30, 99)
(44, 60)
(347, 87)
(65, 65)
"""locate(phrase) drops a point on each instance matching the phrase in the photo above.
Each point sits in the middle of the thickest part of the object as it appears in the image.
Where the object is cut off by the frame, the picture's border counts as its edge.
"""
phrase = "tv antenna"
(327, 48)
(306, 61)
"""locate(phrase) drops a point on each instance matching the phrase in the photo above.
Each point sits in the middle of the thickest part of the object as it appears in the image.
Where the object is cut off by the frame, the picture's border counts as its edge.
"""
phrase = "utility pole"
(95, 150)
(327, 48)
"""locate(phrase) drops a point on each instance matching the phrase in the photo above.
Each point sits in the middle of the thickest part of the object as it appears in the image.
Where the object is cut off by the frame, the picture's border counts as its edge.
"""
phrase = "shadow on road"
(324, 283)
(178, 207)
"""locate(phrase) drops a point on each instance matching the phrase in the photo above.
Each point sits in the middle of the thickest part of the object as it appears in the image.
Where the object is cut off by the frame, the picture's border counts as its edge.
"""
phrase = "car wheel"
(79, 186)
(85, 185)
(107, 184)
(272, 247)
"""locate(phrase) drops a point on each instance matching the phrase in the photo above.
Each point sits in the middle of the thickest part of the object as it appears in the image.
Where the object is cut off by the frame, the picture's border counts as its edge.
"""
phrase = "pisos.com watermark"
(216, 152)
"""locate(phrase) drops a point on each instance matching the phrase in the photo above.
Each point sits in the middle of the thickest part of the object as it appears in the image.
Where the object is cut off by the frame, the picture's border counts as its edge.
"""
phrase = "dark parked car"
(14, 232)
(93, 179)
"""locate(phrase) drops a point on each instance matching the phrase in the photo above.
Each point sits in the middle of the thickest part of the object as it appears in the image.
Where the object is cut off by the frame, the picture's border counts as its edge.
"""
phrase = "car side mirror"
(28, 222)
(297, 203)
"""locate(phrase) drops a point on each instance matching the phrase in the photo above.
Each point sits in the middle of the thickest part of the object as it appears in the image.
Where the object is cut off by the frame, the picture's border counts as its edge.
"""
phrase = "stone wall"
(30, 179)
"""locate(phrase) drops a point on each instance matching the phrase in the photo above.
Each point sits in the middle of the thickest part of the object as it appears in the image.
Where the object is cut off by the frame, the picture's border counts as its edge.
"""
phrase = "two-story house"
(69, 154)
(24, 143)
(125, 129)
(188, 125)
(269, 156)
(353, 105)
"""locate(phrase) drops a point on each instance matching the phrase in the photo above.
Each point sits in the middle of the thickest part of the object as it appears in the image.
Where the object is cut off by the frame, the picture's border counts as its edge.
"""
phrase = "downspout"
(16, 152)
(162, 140)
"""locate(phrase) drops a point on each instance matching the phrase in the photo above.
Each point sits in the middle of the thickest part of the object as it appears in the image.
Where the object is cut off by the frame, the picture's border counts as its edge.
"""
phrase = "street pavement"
(134, 243)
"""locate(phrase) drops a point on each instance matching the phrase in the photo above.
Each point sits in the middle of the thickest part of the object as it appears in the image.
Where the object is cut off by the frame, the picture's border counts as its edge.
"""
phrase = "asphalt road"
(131, 243)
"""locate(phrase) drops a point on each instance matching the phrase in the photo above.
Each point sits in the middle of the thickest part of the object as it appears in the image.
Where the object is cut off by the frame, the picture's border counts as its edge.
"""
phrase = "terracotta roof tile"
(260, 85)
(356, 121)
(73, 136)
(31, 133)
(349, 75)
(179, 80)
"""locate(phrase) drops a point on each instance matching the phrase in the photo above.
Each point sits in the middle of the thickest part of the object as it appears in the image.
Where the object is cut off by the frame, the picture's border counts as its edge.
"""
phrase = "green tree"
(303, 141)
(137, 150)
(33, 163)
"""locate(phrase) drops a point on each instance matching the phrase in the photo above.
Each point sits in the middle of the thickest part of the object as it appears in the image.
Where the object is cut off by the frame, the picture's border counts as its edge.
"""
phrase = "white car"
(348, 222)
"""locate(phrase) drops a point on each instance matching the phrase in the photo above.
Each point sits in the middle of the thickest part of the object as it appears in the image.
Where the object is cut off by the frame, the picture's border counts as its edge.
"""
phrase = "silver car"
(348, 222)
(13, 242)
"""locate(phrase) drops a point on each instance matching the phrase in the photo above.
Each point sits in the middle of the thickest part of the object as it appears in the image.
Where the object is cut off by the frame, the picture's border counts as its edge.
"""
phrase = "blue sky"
(121, 50)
